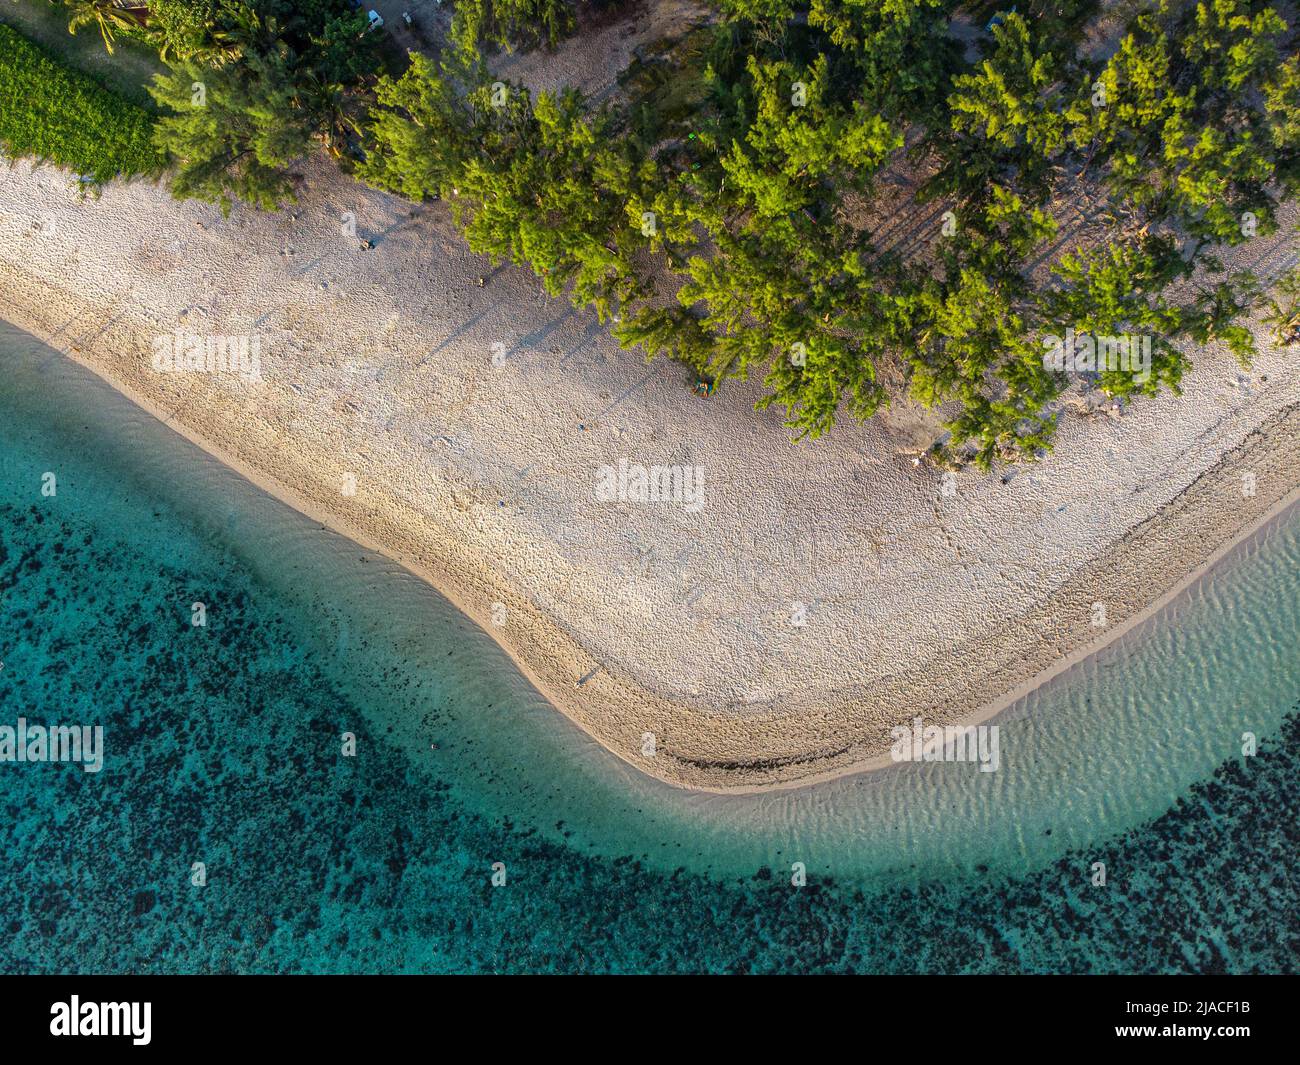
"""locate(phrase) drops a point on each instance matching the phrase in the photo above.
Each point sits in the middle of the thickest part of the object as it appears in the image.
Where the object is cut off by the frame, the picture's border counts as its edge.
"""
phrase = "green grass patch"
(63, 116)
(127, 72)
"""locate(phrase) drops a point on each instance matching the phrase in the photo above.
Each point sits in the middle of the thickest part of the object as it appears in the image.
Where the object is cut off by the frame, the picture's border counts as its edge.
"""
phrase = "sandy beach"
(766, 633)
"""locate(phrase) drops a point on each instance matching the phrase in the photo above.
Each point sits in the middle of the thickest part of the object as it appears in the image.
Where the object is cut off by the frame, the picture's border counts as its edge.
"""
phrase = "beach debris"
(704, 387)
(367, 245)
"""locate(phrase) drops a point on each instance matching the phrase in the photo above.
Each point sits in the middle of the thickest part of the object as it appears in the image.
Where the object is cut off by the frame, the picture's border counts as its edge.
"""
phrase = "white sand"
(379, 364)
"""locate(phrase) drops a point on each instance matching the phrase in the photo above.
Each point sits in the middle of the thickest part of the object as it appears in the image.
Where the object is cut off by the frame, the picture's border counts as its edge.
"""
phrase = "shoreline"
(707, 739)
(993, 709)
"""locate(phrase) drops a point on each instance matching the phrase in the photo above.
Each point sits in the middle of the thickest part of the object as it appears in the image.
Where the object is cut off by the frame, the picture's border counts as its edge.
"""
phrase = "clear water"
(224, 747)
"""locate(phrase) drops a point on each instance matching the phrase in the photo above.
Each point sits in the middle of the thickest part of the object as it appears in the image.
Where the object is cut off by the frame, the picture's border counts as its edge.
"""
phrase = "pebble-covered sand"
(453, 416)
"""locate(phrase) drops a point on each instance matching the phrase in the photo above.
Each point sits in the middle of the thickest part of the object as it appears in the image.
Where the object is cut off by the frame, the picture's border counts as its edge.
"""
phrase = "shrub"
(58, 115)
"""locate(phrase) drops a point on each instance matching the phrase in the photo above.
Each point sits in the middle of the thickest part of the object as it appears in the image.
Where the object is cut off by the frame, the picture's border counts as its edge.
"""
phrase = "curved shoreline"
(706, 741)
(996, 707)
(1228, 469)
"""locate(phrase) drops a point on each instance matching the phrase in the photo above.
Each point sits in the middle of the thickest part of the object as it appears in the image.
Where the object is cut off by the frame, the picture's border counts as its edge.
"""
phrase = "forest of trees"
(720, 211)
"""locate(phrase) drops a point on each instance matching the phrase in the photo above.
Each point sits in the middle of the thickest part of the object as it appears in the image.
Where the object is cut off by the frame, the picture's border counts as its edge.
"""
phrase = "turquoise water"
(224, 747)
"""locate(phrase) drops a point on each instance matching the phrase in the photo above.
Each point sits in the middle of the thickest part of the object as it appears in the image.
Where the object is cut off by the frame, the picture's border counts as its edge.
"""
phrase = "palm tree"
(216, 47)
(103, 13)
(335, 112)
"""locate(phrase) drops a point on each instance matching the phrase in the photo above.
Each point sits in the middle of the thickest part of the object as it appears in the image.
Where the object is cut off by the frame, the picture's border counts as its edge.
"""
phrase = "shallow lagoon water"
(224, 747)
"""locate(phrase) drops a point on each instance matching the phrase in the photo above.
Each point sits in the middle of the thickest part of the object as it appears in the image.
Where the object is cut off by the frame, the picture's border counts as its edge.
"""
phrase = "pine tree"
(1007, 101)
(1174, 122)
(233, 131)
(1116, 291)
(557, 202)
(1283, 307)
(503, 23)
(420, 133)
